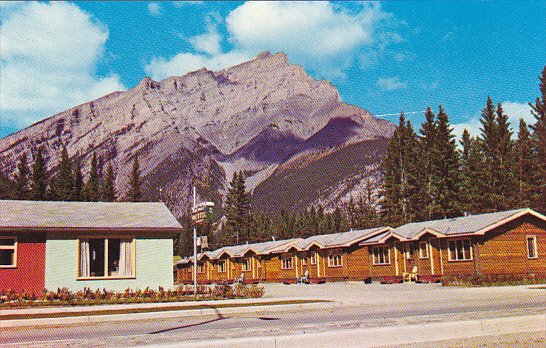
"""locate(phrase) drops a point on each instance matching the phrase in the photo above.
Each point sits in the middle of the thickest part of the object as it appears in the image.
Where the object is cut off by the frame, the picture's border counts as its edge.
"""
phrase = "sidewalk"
(450, 333)
(142, 311)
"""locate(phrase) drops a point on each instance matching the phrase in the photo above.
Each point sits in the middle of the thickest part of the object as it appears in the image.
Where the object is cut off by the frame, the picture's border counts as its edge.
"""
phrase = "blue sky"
(385, 57)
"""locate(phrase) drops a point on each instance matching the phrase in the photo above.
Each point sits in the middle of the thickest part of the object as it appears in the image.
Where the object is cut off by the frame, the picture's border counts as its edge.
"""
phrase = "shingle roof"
(240, 250)
(85, 215)
(377, 238)
(459, 225)
(338, 239)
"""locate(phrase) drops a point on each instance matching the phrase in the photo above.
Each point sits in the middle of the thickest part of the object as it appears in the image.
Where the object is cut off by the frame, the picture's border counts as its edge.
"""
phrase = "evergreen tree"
(22, 183)
(237, 209)
(503, 167)
(539, 140)
(471, 173)
(425, 199)
(446, 168)
(489, 141)
(64, 181)
(524, 166)
(78, 181)
(135, 190)
(108, 187)
(92, 186)
(399, 171)
(7, 188)
(39, 177)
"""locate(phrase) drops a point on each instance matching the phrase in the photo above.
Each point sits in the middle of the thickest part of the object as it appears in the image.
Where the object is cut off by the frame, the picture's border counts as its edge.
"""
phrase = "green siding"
(153, 265)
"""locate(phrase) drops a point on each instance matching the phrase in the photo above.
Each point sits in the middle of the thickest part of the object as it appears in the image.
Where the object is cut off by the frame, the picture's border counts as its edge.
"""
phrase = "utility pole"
(194, 248)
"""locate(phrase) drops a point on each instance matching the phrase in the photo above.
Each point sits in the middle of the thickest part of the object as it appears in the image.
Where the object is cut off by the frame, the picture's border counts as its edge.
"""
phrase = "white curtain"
(85, 266)
(126, 257)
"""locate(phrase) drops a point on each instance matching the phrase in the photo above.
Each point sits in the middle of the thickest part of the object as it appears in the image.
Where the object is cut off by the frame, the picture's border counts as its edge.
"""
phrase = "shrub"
(10, 298)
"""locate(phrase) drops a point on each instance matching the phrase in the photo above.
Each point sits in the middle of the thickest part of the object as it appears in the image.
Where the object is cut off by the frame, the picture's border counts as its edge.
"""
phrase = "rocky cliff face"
(265, 116)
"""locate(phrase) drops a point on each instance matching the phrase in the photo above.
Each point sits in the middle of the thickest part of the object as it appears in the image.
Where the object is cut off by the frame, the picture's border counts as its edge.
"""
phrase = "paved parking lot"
(368, 314)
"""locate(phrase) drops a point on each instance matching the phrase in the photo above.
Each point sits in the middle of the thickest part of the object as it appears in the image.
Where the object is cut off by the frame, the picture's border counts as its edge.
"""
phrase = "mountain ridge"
(254, 117)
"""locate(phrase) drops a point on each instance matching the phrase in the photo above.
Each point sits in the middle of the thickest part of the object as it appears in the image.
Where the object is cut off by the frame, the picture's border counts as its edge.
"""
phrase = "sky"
(385, 57)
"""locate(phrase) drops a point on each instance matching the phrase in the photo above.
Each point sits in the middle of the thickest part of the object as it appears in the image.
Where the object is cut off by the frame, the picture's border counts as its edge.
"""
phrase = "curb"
(160, 315)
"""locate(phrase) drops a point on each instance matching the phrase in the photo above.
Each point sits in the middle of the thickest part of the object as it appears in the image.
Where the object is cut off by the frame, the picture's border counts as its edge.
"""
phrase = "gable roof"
(472, 224)
(240, 250)
(342, 239)
(45, 215)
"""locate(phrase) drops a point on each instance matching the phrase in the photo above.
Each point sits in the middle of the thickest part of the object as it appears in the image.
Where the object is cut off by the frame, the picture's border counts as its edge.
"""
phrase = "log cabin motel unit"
(508, 243)
(85, 244)
(129, 245)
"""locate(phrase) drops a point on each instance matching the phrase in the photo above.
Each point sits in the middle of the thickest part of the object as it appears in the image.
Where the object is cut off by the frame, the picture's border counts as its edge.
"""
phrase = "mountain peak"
(254, 117)
(147, 83)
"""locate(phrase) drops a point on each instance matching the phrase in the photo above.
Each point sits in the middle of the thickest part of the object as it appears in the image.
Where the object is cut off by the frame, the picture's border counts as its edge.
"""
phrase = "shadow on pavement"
(219, 317)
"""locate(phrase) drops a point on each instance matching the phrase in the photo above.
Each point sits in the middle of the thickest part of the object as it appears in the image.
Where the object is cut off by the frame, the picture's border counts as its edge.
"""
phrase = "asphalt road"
(431, 305)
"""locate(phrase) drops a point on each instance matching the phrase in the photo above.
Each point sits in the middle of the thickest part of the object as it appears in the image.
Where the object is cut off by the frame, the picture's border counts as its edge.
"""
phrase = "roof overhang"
(429, 231)
(39, 229)
(508, 219)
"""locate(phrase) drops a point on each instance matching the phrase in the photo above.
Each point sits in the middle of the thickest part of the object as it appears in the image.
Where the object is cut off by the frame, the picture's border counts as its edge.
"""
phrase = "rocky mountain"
(297, 142)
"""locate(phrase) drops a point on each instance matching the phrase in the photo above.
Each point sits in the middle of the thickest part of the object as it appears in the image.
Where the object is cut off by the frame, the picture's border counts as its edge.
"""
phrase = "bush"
(10, 298)
(493, 280)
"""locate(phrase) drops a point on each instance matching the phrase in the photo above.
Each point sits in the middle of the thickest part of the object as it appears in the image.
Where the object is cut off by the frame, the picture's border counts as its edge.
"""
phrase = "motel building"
(78, 245)
(510, 244)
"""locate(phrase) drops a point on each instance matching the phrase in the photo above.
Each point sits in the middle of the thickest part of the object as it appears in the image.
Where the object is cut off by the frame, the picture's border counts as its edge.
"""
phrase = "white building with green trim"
(77, 245)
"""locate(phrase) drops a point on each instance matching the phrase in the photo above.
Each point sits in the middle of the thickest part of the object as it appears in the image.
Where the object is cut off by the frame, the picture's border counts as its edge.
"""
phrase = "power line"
(398, 113)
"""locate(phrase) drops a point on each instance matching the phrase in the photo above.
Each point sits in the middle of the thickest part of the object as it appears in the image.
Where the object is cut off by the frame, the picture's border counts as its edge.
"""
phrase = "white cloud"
(154, 8)
(321, 36)
(391, 83)
(48, 61)
(209, 42)
(179, 4)
(514, 110)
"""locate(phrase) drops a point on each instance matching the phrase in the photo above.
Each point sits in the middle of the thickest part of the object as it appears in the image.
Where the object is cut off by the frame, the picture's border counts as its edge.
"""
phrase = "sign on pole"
(203, 242)
(202, 213)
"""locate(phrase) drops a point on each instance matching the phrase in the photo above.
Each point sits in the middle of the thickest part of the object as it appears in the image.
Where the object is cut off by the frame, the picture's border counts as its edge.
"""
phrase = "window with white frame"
(532, 247)
(245, 264)
(8, 252)
(335, 259)
(304, 260)
(200, 268)
(423, 249)
(460, 250)
(106, 257)
(313, 258)
(287, 261)
(381, 255)
(222, 266)
(410, 250)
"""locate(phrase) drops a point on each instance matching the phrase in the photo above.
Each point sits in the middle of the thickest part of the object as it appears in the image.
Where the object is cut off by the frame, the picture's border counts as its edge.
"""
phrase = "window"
(460, 250)
(200, 268)
(286, 262)
(423, 249)
(107, 257)
(410, 251)
(313, 258)
(532, 247)
(245, 264)
(304, 260)
(222, 266)
(8, 252)
(335, 260)
(381, 255)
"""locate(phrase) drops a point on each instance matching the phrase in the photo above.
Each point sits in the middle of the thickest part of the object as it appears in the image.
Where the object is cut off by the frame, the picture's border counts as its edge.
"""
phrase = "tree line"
(35, 182)
(426, 175)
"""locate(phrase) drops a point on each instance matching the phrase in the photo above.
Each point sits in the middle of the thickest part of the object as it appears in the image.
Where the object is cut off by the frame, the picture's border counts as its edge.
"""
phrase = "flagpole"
(194, 248)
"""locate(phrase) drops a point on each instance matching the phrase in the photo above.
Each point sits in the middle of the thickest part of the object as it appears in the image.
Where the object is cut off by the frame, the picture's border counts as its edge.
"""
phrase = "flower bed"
(493, 280)
(64, 297)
